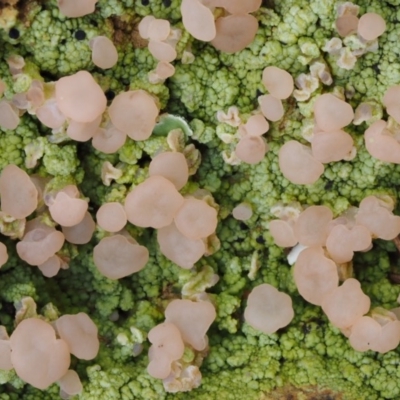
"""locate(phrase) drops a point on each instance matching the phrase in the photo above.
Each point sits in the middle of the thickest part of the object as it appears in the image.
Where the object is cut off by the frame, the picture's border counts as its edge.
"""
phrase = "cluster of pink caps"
(77, 105)
(323, 250)
(302, 164)
(232, 31)
(162, 41)
(368, 27)
(40, 98)
(40, 351)
(252, 147)
(186, 324)
(21, 195)
(183, 223)
(381, 138)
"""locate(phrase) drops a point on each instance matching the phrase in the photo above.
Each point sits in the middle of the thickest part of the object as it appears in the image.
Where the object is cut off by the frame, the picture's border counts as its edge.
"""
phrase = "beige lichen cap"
(192, 319)
(38, 357)
(268, 309)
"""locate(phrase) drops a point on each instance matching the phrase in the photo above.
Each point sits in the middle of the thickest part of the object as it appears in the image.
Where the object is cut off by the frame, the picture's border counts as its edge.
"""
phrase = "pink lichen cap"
(342, 242)
(196, 219)
(172, 166)
(104, 52)
(371, 26)
(298, 165)
(315, 275)
(346, 24)
(198, 20)
(251, 149)
(311, 227)
(282, 232)
(50, 267)
(256, 125)
(368, 334)
(111, 217)
(79, 97)
(167, 346)
(178, 248)
(66, 210)
(381, 143)
(271, 107)
(391, 101)
(80, 334)
(153, 203)
(9, 118)
(76, 8)
(134, 113)
(193, 320)
(346, 303)
(162, 51)
(332, 146)
(239, 6)
(378, 219)
(234, 32)
(118, 256)
(108, 140)
(19, 196)
(268, 309)
(82, 232)
(331, 113)
(278, 82)
(83, 131)
(70, 384)
(39, 243)
(3, 254)
(38, 357)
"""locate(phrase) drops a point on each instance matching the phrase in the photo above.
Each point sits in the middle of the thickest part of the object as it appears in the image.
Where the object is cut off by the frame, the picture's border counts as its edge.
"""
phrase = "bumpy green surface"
(309, 355)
